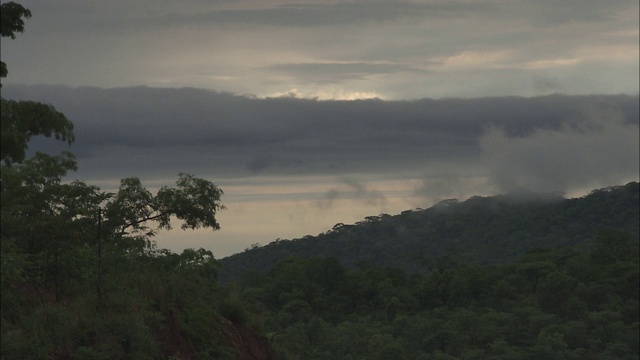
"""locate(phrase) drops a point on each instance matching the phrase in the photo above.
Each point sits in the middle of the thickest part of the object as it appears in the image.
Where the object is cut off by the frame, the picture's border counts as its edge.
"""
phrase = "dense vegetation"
(81, 277)
(518, 276)
(480, 230)
(550, 304)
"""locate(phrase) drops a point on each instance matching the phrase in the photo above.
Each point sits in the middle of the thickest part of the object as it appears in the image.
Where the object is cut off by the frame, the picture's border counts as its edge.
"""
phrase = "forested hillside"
(517, 276)
(480, 230)
(549, 304)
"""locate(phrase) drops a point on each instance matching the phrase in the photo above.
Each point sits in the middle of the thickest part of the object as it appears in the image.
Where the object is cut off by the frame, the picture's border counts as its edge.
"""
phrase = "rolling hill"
(480, 230)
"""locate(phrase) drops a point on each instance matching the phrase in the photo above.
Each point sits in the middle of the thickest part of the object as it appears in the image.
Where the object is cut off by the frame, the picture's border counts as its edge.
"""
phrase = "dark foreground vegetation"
(81, 278)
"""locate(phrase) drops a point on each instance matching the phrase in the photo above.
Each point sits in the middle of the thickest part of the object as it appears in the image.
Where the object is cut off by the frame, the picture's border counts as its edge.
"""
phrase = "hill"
(480, 230)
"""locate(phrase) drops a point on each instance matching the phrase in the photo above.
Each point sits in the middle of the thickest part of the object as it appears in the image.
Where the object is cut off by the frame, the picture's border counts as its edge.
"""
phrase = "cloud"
(598, 151)
(355, 190)
(553, 12)
(259, 163)
(443, 181)
(99, 15)
(159, 132)
(325, 15)
(292, 166)
(395, 50)
(339, 72)
(545, 85)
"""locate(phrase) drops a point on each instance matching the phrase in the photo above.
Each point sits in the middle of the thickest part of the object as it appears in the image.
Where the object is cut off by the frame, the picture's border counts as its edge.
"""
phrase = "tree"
(21, 120)
(60, 239)
(195, 201)
(57, 226)
(33, 195)
(11, 22)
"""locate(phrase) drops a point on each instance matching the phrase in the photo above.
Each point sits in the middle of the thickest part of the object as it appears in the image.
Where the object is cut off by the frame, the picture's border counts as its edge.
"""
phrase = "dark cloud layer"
(333, 14)
(350, 13)
(140, 14)
(543, 142)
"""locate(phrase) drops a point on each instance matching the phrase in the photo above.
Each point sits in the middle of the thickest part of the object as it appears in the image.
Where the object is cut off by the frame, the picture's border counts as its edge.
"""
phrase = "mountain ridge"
(479, 230)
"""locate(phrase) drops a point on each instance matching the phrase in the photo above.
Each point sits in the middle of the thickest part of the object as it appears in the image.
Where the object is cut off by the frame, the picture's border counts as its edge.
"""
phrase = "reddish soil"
(248, 344)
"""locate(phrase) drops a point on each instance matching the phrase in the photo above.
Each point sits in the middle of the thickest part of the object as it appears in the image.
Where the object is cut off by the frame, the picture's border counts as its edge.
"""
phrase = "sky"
(312, 113)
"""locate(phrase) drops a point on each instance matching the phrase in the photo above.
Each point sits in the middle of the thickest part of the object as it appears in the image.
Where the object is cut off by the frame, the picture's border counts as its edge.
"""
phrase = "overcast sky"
(333, 49)
(455, 98)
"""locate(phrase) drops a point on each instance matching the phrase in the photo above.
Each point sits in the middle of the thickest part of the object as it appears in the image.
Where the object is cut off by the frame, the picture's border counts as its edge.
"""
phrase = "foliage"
(461, 312)
(484, 287)
(196, 201)
(81, 277)
(63, 241)
(21, 120)
(11, 22)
